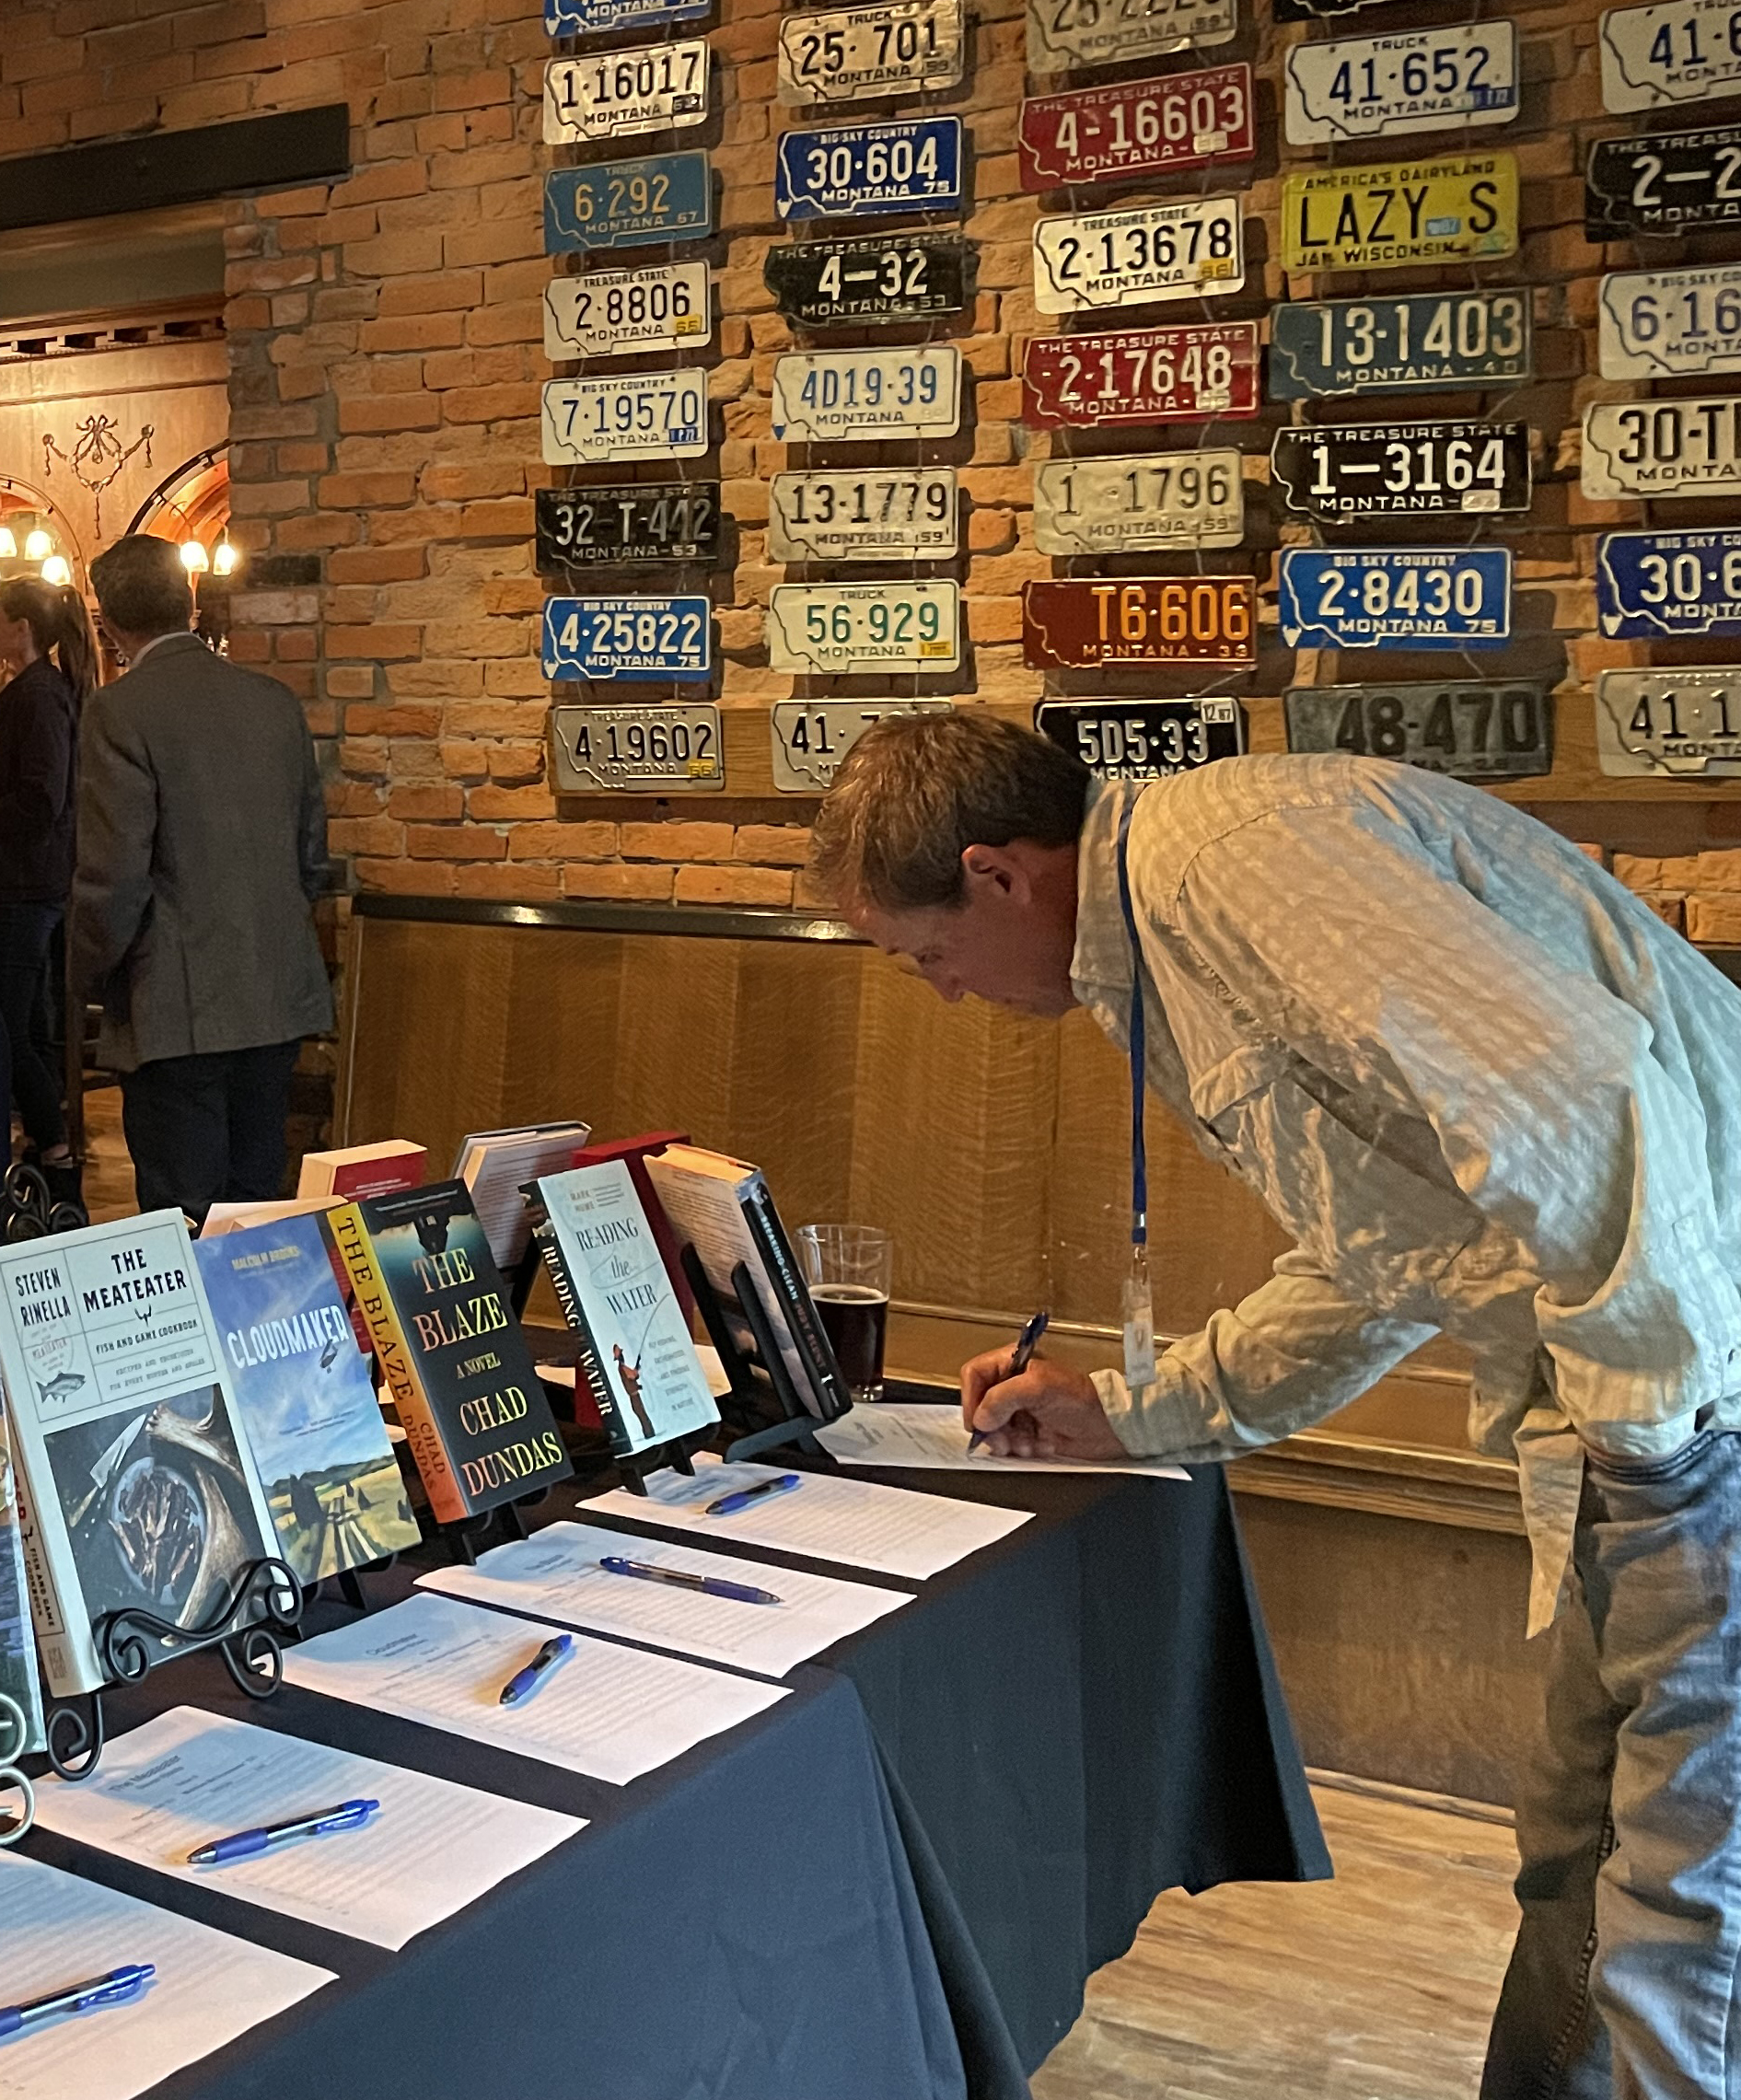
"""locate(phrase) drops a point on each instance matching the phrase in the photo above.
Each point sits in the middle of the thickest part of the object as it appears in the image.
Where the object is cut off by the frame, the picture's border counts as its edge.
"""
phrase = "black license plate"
(634, 521)
(1377, 469)
(1474, 730)
(904, 277)
(1667, 182)
(1144, 739)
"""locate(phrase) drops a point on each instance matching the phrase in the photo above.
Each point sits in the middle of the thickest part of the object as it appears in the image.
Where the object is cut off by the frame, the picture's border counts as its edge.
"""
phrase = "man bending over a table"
(1488, 1094)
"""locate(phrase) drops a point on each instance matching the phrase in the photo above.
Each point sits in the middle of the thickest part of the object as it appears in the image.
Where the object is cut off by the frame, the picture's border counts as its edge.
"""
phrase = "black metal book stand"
(757, 1375)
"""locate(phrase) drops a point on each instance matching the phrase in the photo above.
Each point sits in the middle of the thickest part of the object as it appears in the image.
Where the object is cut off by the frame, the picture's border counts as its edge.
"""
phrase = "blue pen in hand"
(522, 1683)
(741, 1498)
(114, 1988)
(345, 1816)
(1026, 1344)
(680, 1578)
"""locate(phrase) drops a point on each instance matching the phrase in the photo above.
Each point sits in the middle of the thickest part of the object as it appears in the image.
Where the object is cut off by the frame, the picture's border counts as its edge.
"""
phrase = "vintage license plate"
(1378, 469)
(655, 415)
(824, 284)
(1429, 341)
(1470, 729)
(1160, 375)
(1659, 586)
(1421, 80)
(810, 738)
(640, 750)
(1670, 324)
(1161, 499)
(1139, 127)
(597, 17)
(615, 94)
(829, 396)
(597, 638)
(1129, 258)
(1081, 623)
(1414, 597)
(839, 628)
(1144, 739)
(1667, 724)
(1662, 448)
(1683, 51)
(629, 521)
(1065, 35)
(618, 313)
(1386, 217)
(844, 55)
(1315, 10)
(1666, 182)
(864, 514)
(856, 171)
(627, 203)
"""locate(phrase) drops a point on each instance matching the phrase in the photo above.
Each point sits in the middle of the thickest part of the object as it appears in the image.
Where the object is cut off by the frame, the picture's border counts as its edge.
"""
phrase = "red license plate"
(1196, 373)
(1080, 625)
(1139, 127)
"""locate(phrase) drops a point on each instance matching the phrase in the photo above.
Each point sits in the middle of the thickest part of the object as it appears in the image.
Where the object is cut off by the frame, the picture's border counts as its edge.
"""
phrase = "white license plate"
(828, 396)
(615, 94)
(1161, 499)
(843, 55)
(648, 415)
(617, 313)
(1662, 448)
(1064, 35)
(837, 627)
(1423, 80)
(866, 514)
(636, 750)
(1129, 258)
(1670, 324)
(1657, 57)
(811, 736)
(1669, 723)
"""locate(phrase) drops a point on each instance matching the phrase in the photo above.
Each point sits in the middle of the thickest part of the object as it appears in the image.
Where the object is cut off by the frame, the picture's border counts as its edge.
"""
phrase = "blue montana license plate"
(1668, 584)
(626, 204)
(853, 170)
(628, 637)
(1410, 597)
(589, 17)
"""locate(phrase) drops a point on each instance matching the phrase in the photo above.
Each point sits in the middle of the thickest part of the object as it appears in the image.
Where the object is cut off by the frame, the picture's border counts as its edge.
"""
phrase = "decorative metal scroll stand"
(249, 1630)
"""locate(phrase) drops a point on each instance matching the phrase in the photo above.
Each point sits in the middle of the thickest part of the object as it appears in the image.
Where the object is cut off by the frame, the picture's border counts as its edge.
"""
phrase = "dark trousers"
(27, 933)
(208, 1129)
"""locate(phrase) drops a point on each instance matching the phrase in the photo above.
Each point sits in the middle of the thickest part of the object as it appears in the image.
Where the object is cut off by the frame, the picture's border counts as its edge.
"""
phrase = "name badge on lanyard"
(1137, 1299)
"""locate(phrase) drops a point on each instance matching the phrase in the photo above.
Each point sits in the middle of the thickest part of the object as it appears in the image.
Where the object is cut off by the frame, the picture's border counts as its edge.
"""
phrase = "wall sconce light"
(194, 558)
(8, 545)
(57, 569)
(224, 557)
(39, 546)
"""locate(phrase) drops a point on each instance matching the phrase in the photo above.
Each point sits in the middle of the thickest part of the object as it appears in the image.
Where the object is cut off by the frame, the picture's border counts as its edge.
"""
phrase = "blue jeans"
(1624, 1980)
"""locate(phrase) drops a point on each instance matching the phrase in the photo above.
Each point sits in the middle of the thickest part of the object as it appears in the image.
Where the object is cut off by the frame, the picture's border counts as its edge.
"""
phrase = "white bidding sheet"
(609, 1712)
(187, 1777)
(56, 1930)
(902, 1432)
(892, 1530)
(555, 1574)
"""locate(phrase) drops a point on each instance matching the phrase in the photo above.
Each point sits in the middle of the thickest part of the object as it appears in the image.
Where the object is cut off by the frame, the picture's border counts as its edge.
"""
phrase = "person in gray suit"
(202, 845)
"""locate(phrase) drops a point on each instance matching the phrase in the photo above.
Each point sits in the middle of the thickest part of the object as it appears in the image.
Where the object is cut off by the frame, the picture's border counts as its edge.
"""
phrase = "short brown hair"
(140, 586)
(917, 790)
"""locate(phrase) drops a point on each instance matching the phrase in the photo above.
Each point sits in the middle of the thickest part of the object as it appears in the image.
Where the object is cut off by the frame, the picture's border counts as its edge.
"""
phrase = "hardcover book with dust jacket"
(306, 1400)
(18, 1679)
(456, 1362)
(137, 1488)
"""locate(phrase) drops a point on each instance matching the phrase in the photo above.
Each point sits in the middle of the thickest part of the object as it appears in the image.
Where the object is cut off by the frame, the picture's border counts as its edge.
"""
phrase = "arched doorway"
(35, 535)
(192, 507)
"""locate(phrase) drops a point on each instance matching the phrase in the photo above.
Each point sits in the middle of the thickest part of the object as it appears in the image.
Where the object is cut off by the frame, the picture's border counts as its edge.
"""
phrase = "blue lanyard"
(1139, 1143)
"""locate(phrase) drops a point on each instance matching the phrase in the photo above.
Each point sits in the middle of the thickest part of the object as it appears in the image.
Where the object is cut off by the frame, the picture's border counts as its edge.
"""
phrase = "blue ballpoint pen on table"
(741, 1498)
(1026, 1344)
(680, 1578)
(318, 1823)
(522, 1683)
(114, 1988)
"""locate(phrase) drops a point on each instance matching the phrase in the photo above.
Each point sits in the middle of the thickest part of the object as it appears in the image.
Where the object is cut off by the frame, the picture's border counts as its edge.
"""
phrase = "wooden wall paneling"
(677, 1015)
(564, 998)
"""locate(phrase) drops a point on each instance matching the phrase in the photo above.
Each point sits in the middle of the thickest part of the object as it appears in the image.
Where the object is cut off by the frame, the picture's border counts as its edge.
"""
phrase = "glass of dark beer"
(850, 1269)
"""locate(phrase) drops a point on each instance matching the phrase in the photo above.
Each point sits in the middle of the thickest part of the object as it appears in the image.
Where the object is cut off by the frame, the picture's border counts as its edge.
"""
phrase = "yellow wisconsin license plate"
(1381, 217)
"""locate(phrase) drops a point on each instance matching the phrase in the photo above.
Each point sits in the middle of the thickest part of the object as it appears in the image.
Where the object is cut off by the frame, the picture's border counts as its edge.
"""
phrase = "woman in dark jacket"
(46, 637)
